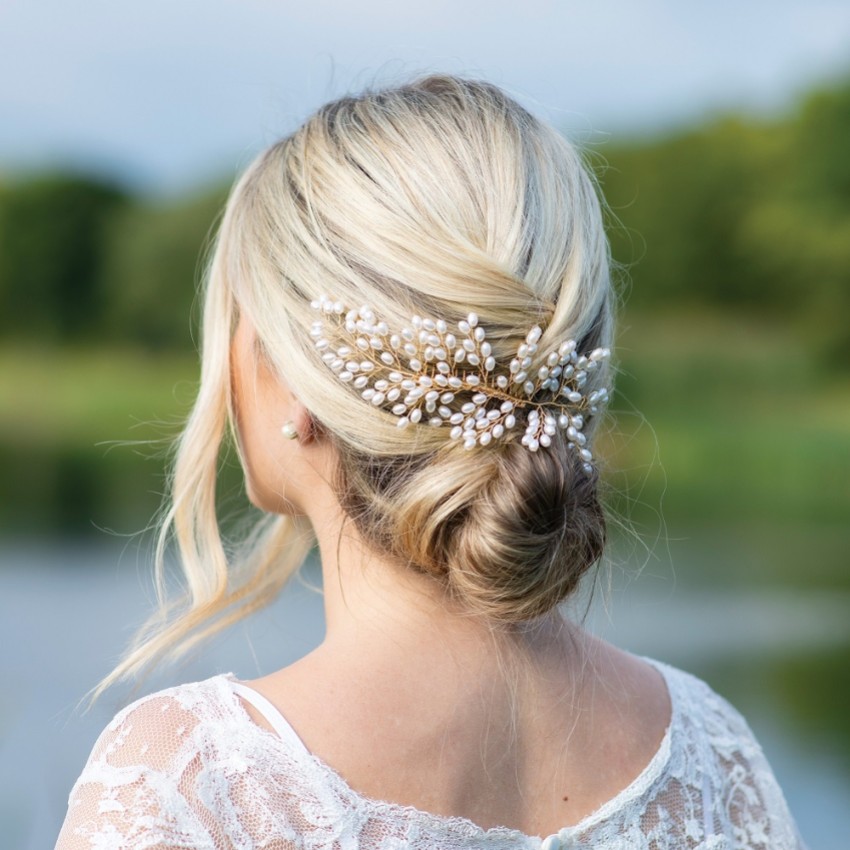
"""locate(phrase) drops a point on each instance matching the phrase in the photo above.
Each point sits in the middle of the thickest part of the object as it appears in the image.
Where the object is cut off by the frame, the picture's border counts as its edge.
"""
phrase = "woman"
(408, 319)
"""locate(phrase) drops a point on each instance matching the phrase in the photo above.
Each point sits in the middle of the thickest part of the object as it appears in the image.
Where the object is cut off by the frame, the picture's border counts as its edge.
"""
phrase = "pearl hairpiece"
(421, 370)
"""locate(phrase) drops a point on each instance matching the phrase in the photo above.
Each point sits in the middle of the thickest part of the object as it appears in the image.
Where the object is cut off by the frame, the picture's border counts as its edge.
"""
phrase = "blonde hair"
(433, 198)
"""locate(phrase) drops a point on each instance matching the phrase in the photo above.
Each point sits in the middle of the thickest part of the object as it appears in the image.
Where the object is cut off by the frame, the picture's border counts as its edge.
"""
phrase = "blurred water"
(66, 612)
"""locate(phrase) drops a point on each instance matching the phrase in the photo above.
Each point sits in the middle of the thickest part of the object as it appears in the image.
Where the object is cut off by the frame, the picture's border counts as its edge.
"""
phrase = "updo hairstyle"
(434, 198)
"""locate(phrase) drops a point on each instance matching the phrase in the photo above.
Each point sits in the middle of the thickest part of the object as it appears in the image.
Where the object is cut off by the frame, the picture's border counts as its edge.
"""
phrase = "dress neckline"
(466, 827)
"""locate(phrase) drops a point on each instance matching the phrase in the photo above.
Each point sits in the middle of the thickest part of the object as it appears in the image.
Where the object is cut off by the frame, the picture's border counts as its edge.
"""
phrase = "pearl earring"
(288, 430)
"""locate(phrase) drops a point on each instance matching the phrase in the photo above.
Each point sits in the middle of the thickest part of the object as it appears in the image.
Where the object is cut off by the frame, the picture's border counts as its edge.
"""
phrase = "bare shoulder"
(634, 687)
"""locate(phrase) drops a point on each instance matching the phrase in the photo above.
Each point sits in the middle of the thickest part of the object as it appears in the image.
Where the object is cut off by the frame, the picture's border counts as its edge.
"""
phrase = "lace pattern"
(188, 768)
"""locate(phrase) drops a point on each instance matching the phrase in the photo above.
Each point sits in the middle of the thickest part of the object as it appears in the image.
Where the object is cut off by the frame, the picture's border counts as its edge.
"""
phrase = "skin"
(411, 700)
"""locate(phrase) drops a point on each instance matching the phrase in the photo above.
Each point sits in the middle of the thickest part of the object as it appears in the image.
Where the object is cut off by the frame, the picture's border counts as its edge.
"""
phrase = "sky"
(169, 95)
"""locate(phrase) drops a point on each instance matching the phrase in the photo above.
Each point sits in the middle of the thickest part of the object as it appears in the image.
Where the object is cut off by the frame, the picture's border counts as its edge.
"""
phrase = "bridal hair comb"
(428, 373)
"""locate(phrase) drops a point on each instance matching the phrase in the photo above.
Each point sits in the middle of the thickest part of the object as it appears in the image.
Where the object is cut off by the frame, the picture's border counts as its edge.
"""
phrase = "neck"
(381, 613)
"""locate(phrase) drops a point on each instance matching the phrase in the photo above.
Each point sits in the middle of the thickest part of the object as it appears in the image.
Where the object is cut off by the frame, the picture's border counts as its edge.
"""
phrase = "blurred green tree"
(153, 260)
(51, 251)
(742, 215)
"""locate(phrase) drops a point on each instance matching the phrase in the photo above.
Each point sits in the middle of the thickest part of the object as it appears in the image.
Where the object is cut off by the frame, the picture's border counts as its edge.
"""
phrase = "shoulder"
(155, 731)
(714, 748)
(138, 788)
(698, 708)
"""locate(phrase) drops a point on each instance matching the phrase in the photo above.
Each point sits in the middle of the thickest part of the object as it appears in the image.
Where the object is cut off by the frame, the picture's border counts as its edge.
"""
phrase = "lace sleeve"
(137, 790)
(753, 805)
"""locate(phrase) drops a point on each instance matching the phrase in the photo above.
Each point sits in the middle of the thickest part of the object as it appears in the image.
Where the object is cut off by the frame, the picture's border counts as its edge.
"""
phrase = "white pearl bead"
(551, 842)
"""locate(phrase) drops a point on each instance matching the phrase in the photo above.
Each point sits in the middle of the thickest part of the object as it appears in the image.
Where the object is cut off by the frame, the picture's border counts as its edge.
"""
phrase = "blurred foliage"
(84, 435)
(815, 689)
(735, 238)
(153, 256)
(52, 244)
(744, 215)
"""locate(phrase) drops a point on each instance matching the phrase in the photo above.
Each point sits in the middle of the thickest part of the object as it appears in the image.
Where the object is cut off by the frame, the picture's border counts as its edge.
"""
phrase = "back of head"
(435, 199)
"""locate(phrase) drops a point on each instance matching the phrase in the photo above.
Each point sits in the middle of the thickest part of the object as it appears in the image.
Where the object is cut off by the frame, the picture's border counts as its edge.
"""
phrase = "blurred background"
(720, 136)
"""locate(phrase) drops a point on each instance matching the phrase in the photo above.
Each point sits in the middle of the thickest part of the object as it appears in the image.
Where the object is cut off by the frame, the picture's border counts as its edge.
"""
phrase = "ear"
(309, 431)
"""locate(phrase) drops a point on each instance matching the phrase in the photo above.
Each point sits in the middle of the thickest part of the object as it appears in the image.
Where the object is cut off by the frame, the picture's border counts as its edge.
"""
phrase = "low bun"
(529, 537)
(509, 532)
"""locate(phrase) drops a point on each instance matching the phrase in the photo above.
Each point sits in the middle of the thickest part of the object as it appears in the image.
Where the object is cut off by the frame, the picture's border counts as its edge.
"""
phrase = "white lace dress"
(188, 768)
